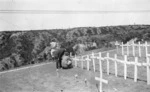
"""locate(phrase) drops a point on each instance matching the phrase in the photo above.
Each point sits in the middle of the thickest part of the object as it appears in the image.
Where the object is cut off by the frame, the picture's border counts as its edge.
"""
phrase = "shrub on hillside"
(7, 45)
(21, 48)
(146, 36)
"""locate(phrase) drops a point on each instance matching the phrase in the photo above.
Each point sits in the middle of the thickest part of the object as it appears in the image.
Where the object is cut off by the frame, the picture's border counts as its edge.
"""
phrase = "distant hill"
(18, 48)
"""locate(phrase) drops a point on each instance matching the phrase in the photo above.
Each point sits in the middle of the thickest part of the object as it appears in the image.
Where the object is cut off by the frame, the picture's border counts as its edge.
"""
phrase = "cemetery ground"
(44, 79)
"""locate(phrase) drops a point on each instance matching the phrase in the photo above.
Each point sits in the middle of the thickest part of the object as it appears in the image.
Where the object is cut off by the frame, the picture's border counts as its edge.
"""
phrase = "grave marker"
(88, 62)
(116, 71)
(122, 48)
(135, 69)
(117, 44)
(139, 49)
(101, 80)
(93, 60)
(82, 60)
(147, 64)
(146, 50)
(133, 47)
(107, 63)
(75, 61)
(125, 67)
(128, 48)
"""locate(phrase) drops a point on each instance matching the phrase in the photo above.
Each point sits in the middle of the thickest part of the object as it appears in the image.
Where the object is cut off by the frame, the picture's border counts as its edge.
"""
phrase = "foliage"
(19, 48)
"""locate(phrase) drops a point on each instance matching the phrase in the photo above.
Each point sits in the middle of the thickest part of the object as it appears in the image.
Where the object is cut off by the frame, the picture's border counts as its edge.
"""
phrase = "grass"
(44, 79)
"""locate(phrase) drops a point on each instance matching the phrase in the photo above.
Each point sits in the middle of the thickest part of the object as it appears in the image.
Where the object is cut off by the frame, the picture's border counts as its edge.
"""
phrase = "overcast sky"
(85, 13)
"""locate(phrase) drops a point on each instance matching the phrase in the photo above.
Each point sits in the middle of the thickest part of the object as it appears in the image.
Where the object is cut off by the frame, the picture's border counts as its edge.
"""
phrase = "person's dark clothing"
(58, 55)
(70, 50)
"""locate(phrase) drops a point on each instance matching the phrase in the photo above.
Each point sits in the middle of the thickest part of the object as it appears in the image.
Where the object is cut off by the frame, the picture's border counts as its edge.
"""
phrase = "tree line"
(19, 48)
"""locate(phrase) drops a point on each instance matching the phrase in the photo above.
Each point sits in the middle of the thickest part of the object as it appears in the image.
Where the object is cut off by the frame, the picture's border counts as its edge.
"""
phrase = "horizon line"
(47, 29)
(70, 11)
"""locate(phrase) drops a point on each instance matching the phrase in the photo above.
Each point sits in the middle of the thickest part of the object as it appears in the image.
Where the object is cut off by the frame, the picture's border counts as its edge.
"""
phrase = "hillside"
(19, 48)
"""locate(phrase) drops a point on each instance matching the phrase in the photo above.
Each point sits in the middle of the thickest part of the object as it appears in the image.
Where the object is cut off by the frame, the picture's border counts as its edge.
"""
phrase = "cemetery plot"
(128, 63)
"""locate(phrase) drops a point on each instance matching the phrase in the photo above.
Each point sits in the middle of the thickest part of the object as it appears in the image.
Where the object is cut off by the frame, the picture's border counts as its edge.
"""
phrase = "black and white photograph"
(74, 45)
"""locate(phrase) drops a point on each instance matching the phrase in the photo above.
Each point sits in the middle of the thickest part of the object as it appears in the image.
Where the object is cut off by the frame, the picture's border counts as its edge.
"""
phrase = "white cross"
(135, 68)
(101, 81)
(139, 49)
(122, 48)
(101, 76)
(88, 61)
(148, 70)
(75, 59)
(82, 60)
(146, 49)
(107, 63)
(116, 71)
(93, 59)
(125, 67)
(100, 57)
(116, 43)
(133, 47)
(127, 48)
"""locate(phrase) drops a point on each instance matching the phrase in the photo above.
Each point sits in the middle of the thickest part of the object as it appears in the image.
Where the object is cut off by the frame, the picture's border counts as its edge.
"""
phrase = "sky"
(53, 14)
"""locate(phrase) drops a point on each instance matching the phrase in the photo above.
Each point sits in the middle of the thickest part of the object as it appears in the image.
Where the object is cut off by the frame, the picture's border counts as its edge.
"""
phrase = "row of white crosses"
(115, 59)
(139, 45)
(125, 62)
(82, 60)
(87, 59)
(147, 64)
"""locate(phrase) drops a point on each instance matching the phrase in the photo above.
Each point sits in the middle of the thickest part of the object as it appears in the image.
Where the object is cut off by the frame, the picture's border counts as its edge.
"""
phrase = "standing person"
(53, 46)
(58, 55)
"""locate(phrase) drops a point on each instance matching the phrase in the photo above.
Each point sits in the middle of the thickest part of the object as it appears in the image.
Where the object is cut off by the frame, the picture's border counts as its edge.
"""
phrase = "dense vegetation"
(18, 48)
